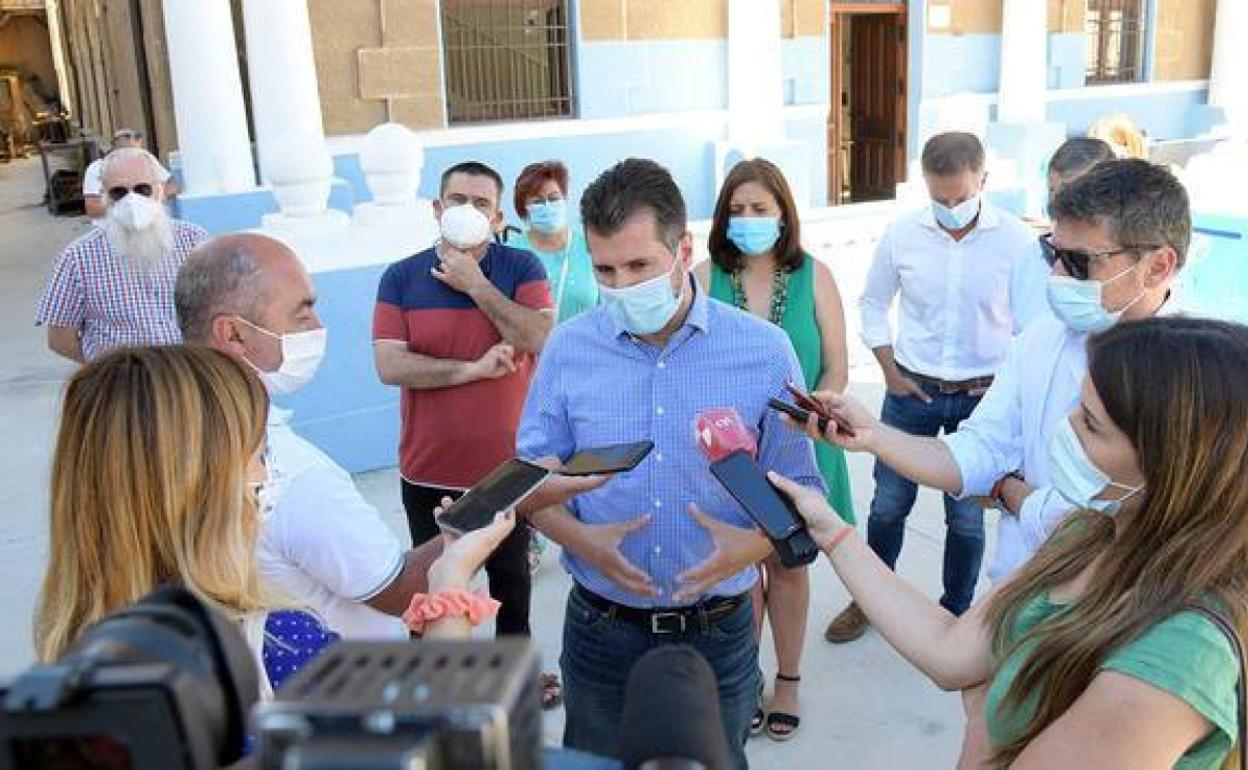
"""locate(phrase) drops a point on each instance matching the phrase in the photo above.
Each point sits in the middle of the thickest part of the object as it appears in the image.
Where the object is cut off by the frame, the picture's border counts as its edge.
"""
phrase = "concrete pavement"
(864, 707)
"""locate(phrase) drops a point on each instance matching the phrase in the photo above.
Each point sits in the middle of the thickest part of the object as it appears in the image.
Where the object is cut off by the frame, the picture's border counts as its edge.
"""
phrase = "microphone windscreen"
(671, 710)
(721, 431)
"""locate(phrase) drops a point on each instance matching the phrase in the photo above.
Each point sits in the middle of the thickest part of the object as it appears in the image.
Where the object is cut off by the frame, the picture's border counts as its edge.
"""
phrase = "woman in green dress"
(758, 265)
(1113, 647)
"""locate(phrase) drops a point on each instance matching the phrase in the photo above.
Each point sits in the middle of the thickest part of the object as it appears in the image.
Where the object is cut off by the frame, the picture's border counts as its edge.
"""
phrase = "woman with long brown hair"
(758, 265)
(158, 478)
(1101, 652)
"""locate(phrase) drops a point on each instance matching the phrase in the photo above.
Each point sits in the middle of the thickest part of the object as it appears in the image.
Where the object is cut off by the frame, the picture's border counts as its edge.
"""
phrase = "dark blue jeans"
(894, 497)
(599, 651)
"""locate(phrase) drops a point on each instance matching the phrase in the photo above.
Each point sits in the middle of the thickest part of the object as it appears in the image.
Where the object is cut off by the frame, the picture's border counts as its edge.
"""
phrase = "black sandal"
(787, 723)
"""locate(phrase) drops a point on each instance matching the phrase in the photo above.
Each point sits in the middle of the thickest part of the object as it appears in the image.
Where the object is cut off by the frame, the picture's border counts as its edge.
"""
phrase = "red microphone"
(721, 431)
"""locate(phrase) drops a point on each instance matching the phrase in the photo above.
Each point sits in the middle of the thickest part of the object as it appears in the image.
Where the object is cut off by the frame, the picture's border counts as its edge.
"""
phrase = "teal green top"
(802, 326)
(1185, 655)
(579, 291)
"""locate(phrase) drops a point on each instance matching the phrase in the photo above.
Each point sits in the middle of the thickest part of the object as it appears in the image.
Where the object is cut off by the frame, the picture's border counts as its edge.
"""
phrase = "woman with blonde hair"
(1107, 649)
(158, 478)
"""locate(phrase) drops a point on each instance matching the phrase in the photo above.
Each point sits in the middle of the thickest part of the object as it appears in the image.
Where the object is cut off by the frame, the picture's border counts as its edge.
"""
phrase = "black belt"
(667, 620)
(974, 386)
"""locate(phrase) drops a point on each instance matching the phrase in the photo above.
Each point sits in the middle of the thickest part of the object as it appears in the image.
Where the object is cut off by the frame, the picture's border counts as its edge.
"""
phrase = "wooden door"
(867, 131)
(877, 106)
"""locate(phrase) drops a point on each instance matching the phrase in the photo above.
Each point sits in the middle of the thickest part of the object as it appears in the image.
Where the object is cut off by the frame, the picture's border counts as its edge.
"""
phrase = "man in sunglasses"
(93, 185)
(113, 287)
(1120, 235)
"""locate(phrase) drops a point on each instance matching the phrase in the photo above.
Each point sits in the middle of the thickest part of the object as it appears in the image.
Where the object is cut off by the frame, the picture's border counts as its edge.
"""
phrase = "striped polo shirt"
(452, 437)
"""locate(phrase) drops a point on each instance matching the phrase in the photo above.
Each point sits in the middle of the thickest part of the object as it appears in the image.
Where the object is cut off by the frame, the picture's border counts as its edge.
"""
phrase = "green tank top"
(1185, 655)
(800, 323)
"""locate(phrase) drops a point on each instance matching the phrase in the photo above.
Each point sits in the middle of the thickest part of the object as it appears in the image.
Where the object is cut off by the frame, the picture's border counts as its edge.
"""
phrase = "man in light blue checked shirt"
(663, 554)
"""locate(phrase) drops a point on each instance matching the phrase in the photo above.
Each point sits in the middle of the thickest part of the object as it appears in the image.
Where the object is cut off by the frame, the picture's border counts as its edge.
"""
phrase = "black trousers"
(508, 568)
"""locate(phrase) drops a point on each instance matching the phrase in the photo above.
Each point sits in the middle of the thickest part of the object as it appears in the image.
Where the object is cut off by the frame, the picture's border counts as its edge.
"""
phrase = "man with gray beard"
(113, 287)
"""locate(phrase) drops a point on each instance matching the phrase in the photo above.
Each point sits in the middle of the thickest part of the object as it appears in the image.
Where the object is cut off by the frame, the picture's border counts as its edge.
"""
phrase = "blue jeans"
(599, 650)
(894, 497)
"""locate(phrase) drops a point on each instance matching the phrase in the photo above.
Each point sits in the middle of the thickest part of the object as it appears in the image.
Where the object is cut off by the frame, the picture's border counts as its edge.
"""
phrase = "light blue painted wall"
(345, 410)
(959, 63)
(804, 64)
(618, 78)
(1066, 60)
(1161, 115)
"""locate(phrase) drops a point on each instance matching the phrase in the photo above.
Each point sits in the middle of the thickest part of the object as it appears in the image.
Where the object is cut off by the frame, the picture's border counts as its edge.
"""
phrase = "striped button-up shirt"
(596, 384)
(111, 301)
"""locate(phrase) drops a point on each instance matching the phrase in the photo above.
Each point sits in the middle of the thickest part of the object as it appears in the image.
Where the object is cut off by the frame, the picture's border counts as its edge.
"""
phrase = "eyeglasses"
(538, 200)
(1077, 262)
(117, 193)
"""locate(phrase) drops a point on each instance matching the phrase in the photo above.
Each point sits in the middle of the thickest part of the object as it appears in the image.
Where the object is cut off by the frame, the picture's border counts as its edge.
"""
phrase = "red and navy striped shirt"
(453, 437)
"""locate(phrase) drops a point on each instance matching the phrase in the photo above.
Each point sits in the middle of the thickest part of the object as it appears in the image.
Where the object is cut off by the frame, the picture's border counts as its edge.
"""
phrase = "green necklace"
(779, 294)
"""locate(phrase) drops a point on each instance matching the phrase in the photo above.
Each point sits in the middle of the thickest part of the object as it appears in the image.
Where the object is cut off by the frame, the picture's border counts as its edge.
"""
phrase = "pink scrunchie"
(426, 608)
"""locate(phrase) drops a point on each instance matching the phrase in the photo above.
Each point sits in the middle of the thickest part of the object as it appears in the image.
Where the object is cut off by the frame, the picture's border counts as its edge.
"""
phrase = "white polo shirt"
(323, 545)
(953, 320)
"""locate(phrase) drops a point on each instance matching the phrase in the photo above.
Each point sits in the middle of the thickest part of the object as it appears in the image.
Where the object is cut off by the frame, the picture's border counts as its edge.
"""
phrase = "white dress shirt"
(1029, 286)
(323, 545)
(954, 311)
(1036, 388)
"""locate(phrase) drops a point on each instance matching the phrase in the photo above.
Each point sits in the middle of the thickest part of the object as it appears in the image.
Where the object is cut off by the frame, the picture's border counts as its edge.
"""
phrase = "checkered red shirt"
(111, 302)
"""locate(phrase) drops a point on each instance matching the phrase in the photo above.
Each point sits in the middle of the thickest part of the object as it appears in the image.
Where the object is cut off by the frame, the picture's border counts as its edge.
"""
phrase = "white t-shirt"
(323, 545)
(93, 183)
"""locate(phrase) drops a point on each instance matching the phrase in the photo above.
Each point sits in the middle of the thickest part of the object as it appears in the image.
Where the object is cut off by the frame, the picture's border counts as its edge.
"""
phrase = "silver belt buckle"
(657, 617)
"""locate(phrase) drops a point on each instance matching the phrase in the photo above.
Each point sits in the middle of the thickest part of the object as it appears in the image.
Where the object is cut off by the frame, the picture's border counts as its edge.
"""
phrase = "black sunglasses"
(1077, 262)
(117, 193)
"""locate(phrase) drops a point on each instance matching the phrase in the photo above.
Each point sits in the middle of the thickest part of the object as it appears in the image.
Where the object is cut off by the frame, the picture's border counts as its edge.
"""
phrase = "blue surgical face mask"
(957, 217)
(754, 235)
(549, 217)
(644, 308)
(1076, 478)
(1080, 305)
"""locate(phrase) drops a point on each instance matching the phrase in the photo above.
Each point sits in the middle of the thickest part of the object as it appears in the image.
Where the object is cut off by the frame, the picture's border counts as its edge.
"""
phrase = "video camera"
(166, 684)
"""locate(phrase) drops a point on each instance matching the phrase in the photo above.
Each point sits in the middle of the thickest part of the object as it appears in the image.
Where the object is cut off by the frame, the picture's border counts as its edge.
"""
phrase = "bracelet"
(426, 608)
(836, 541)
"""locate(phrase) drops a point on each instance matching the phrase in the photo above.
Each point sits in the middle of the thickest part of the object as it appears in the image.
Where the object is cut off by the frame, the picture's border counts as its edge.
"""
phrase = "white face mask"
(1081, 304)
(643, 308)
(268, 492)
(1076, 478)
(464, 227)
(302, 353)
(135, 212)
(957, 217)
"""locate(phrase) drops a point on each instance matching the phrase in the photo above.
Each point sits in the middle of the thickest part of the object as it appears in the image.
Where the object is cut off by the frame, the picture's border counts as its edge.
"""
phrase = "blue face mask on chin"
(1076, 478)
(754, 235)
(957, 217)
(549, 217)
(644, 308)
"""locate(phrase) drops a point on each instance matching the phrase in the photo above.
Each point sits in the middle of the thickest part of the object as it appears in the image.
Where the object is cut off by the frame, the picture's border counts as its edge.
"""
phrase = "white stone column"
(755, 95)
(1024, 62)
(52, 12)
(213, 143)
(281, 72)
(1228, 78)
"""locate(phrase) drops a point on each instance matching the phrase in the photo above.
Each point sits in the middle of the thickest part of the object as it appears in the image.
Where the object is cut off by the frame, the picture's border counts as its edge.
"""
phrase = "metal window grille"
(1114, 34)
(506, 60)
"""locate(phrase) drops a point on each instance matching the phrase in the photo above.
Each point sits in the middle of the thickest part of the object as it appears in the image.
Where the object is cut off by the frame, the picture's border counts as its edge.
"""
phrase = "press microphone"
(671, 717)
(725, 441)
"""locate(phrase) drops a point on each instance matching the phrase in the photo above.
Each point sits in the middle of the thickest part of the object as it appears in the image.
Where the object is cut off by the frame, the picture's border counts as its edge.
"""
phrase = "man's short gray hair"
(129, 153)
(219, 277)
